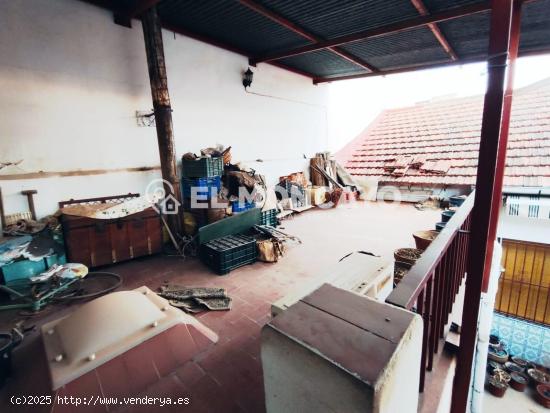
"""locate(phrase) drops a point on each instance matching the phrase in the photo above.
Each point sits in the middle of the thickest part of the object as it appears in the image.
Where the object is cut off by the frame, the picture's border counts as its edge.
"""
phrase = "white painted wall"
(71, 81)
(523, 229)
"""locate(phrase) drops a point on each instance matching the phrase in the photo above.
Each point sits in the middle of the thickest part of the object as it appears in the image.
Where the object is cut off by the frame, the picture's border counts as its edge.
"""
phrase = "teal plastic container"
(24, 269)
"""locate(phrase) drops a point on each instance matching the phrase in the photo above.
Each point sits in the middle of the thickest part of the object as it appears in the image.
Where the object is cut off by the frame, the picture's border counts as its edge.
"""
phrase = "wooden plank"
(384, 321)
(119, 241)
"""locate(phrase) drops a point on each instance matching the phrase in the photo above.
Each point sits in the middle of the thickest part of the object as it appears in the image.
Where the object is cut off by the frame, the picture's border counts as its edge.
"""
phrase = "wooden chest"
(96, 242)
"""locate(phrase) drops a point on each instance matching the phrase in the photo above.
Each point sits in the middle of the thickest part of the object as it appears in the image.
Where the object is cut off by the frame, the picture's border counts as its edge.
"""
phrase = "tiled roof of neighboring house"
(448, 131)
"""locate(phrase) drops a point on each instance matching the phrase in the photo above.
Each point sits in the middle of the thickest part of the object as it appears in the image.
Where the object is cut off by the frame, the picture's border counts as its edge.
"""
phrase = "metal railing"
(431, 286)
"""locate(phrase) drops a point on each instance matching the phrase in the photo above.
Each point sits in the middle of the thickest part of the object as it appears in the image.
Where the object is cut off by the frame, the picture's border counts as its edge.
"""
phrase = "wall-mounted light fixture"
(247, 78)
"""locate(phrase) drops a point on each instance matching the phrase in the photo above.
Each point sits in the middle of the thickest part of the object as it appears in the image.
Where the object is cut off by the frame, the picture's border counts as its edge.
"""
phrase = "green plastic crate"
(269, 217)
(202, 167)
(227, 253)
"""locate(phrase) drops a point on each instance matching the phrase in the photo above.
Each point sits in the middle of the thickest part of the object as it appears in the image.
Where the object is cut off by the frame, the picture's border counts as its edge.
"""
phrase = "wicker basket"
(407, 256)
(424, 238)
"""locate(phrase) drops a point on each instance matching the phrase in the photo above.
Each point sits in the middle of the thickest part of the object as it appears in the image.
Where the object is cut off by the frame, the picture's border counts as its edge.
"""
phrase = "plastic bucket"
(457, 200)
(446, 215)
(439, 226)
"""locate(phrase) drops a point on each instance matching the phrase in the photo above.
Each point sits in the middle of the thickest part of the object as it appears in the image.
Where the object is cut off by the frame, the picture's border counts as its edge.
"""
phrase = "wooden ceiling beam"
(422, 9)
(258, 8)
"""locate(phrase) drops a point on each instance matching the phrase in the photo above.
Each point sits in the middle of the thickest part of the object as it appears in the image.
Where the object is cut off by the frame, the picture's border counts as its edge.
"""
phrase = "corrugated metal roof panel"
(333, 18)
(322, 63)
(410, 47)
(469, 35)
(229, 22)
(535, 22)
(434, 6)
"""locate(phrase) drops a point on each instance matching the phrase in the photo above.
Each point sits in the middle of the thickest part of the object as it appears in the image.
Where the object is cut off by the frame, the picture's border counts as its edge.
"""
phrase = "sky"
(354, 104)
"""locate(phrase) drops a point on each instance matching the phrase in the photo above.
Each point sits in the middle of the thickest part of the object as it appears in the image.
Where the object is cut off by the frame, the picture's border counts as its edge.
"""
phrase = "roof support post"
(152, 34)
(492, 151)
(503, 144)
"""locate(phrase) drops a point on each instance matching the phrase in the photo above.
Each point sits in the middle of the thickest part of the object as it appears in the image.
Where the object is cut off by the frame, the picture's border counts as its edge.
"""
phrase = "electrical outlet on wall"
(145, 118)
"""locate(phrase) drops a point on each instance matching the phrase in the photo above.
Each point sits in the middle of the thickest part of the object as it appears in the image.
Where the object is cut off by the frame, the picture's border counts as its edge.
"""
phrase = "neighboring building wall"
(417, 193)
(523, 229)
(524, 339)
(71, 81)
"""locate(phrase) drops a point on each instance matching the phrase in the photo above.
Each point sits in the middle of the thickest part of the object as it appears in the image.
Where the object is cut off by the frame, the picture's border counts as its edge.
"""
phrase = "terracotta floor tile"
(190, 373)
(114, 378)
(86, 388)
(227, 377)
(218, 398)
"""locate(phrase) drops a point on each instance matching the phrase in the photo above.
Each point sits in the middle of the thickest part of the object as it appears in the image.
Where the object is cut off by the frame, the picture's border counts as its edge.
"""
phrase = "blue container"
(457, 200)
(205, 186)
(24, 269)
(446, 215)
(237, 206)
(439, 226)
(21, 270)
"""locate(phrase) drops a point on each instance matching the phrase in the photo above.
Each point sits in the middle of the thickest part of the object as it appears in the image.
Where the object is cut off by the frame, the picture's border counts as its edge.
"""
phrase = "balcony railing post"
(432, 337)
(488, 192)
(420, 310)
(430, 286)
(437, 306)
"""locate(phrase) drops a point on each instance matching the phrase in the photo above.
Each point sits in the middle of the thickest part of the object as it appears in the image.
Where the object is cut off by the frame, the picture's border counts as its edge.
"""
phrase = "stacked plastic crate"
(269, 217)
(200, 179)
(225, 254)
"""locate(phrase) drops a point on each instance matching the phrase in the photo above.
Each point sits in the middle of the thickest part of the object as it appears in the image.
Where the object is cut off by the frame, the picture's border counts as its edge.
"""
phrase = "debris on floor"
(196, 299)
(219, 198)
(270, 250)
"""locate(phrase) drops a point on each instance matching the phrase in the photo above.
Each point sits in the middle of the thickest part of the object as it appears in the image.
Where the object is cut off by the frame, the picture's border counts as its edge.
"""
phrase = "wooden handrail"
(408, 290)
